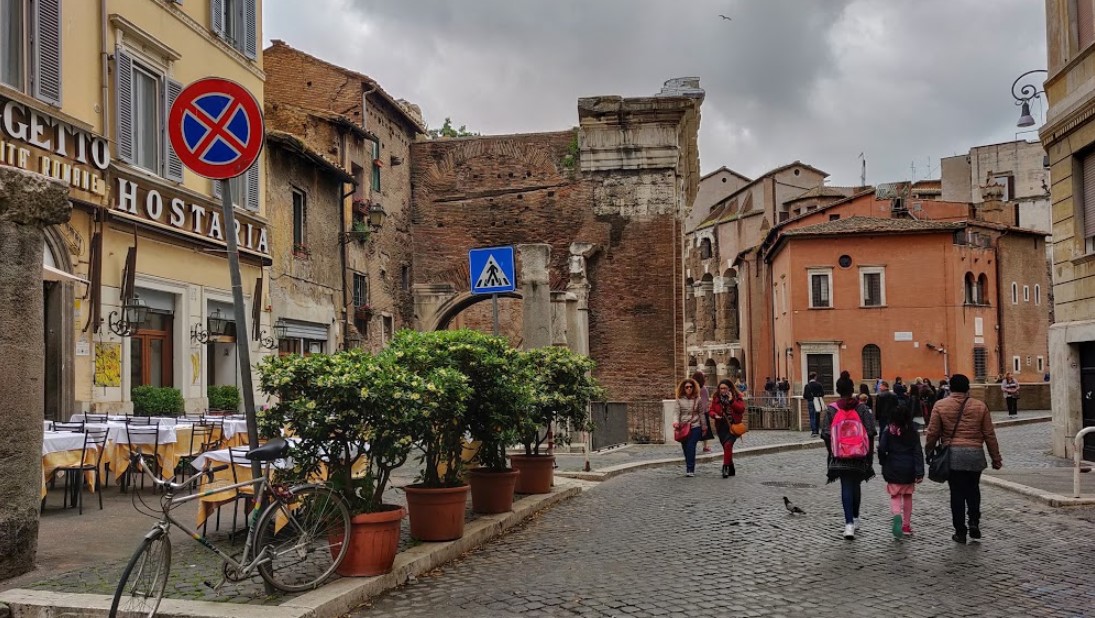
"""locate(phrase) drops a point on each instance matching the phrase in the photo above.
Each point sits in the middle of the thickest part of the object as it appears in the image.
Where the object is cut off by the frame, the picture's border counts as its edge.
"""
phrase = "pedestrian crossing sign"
(492, 270)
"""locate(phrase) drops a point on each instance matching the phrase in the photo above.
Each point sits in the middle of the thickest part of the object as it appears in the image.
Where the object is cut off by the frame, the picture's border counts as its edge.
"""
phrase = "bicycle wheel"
(144, 579)
(303, 540)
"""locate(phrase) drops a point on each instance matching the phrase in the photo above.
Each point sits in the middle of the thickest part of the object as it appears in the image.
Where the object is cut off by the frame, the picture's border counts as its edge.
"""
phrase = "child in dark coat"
(902, 459)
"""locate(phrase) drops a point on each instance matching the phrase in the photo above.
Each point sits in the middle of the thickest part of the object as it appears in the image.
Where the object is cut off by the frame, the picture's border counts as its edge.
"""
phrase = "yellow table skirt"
(63, 459)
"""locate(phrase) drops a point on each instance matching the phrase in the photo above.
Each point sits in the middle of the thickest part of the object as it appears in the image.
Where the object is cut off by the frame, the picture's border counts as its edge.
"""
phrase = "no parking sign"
(215, 126)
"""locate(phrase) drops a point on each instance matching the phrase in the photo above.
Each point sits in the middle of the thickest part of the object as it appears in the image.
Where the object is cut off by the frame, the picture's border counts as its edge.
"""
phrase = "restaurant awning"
(50, 273)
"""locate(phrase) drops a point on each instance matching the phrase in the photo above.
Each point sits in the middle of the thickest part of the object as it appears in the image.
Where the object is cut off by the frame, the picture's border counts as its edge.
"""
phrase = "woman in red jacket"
(727, 408)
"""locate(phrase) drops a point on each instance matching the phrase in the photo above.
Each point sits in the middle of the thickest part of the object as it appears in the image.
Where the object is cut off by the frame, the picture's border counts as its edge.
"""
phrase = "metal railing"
(1077, 457)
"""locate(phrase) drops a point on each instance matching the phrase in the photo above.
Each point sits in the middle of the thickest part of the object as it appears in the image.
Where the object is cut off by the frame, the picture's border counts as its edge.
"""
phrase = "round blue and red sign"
(215, 127)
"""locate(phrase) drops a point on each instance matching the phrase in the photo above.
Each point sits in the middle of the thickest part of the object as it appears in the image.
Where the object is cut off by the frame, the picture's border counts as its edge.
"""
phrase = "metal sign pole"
(243, 350)
(494, 307)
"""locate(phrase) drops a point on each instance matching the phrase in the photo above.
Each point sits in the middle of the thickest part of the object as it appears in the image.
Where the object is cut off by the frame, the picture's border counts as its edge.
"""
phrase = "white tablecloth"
(162, 420)
(59, 441)
(116, 433)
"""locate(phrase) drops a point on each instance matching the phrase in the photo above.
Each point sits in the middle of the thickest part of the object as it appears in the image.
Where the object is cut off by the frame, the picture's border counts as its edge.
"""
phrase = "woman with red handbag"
(688, 430)
(728, 410)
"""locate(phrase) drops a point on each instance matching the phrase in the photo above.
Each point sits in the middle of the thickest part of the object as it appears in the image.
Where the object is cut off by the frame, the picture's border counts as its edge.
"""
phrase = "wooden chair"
(94, 439)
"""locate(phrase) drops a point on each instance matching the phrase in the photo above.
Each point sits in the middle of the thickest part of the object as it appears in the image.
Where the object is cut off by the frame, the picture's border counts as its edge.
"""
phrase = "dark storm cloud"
(905, 81)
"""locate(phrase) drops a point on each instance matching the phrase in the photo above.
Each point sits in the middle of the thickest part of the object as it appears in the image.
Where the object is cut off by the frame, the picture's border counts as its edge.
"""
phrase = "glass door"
(150, 353)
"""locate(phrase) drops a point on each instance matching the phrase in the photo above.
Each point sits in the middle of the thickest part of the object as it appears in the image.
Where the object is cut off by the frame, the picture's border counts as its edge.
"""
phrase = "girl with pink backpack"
(848, 430)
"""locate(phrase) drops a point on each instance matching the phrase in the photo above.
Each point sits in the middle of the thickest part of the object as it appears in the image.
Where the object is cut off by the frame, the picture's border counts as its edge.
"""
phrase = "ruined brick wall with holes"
(509, 190)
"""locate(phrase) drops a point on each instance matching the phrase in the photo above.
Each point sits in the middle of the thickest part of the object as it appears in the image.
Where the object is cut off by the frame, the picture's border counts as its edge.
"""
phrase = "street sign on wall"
(215, 127)
(492, 270)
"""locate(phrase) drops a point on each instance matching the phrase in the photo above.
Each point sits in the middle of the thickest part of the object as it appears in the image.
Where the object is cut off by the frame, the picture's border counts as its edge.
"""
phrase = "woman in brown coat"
(973, 433)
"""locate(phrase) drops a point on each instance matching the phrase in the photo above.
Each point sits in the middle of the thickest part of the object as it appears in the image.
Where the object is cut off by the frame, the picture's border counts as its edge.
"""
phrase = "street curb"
(617, 470)
(1051, 499)
(330, 601)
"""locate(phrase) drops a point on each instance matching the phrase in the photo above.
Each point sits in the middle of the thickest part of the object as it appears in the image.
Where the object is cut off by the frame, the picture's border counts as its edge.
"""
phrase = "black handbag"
(939, 464)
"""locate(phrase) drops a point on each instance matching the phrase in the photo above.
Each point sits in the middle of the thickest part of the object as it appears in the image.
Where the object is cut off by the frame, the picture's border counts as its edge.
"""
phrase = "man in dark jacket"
(884, 404)
(810, 392)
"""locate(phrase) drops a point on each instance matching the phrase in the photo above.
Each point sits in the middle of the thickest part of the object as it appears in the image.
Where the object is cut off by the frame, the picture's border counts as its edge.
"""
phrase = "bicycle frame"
(170, 501)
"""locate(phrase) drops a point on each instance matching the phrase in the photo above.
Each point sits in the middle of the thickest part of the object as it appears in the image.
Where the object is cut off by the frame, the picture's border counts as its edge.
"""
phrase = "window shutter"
(123, 103)
(174, 166)
(818, 284)
(46, 42)
(216, 12)
(1085, 22)
(253, 188)
(250, 25)
(1089, 195)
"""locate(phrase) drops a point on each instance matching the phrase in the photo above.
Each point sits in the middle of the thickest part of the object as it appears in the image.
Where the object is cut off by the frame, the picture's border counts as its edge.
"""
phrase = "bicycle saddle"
(274, 449)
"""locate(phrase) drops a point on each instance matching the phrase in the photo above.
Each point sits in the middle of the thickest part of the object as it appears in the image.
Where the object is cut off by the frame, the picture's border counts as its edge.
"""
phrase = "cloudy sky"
(903, 81)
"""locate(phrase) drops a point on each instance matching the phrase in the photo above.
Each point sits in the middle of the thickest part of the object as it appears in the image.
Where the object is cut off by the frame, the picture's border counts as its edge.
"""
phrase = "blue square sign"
(492, 270)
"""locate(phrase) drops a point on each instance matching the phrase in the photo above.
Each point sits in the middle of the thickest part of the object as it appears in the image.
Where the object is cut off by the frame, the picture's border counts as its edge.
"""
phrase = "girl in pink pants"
(902, 459)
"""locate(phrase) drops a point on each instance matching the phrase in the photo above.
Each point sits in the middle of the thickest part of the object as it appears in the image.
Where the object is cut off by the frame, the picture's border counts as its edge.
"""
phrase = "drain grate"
(788, 484)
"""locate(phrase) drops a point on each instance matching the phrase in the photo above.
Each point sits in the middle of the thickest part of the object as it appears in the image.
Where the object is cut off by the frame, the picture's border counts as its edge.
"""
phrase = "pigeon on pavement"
(792, 508)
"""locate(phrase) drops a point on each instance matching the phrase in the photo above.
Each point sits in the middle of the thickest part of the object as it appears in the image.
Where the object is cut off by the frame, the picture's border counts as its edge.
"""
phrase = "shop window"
(872, 362)
(30, 47)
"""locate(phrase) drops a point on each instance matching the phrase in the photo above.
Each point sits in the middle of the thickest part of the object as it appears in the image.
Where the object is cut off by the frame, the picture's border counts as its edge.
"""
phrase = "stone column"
(28, 203)
(536, 294)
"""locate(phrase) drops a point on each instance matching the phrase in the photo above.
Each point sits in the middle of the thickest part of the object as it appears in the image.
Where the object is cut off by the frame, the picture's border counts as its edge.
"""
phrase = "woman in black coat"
(902, 459)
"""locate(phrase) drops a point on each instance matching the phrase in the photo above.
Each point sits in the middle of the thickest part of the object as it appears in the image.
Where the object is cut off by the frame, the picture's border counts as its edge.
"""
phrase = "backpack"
(849, 437)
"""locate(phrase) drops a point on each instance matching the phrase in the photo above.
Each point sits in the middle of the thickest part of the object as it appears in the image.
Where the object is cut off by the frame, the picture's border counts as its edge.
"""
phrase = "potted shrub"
(349, 411)
(563, 386)
(436, 503)
(157, 401)
(224, 398)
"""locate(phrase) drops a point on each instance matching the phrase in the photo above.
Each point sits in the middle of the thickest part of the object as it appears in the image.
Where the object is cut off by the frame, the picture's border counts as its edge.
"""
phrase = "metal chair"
(75, 474)
(138, 437)
(73, 427)
(201, 440)
(95, 418)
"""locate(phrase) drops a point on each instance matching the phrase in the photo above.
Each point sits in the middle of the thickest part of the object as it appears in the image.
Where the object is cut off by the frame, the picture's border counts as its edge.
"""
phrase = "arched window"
(705, 248)
(1014, 293)
(982, 289)
(872, 362)
(971, 289)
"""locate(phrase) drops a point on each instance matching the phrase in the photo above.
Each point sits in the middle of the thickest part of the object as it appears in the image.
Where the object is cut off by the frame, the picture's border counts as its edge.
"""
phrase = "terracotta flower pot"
(437, 514)
(492, 490)
(374, 541)
(537, 473)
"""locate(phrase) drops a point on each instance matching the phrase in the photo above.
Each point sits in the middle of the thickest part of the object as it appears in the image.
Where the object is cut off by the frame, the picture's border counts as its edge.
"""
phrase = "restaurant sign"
(35, 141)
(176, 211)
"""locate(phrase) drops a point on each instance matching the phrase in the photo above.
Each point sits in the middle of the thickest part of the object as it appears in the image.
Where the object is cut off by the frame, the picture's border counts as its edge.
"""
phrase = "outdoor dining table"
(117, 444)
(62, 449)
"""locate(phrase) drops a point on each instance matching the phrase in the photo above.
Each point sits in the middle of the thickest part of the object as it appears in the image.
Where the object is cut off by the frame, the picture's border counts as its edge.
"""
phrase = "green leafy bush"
(157, 401)
(344, 404)
(563, 385)
(224, 398)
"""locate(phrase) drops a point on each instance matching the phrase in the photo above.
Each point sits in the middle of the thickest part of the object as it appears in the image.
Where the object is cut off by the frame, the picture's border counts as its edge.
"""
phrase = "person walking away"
(704, 394)
(865, 396)
(728, 410)
(900, 389)
(884, 404)
(1011, 393)
(902, 460)
(914, 397)
(969, 422)
(743, 389)
(813, 394)
(849, 431)
(784, 388)
(690, 408)
(927, 400)
(769, 391)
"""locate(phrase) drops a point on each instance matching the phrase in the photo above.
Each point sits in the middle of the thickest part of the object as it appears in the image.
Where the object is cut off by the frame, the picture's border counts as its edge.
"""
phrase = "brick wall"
(1025, 323)
(508, 190)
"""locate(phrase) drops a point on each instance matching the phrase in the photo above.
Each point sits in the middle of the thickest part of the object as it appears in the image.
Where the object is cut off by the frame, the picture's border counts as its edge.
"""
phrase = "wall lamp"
(214, 325)
(270, 342)
(129, 320)
(1023, 97)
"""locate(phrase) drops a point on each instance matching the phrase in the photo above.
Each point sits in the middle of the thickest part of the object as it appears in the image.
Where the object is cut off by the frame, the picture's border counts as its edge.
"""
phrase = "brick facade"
(509, 190)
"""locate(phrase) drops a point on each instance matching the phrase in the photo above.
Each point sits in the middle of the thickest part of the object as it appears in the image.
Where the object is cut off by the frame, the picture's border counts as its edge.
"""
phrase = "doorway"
(150, 352)
(1087, 395)
(822, 365)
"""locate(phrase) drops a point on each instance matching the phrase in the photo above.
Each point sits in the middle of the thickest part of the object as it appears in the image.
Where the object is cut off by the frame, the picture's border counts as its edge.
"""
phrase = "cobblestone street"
(654, 543)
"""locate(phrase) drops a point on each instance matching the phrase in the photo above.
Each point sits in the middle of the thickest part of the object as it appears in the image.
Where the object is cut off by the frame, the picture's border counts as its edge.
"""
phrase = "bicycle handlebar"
(162, 482)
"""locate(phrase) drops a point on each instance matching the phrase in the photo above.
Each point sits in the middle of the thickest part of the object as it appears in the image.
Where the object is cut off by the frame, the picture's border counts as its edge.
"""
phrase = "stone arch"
(733, 368)
(711, 373)
(706, 319)
(731, 320)
(705, 249)
(457, 303)
(690, 301)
